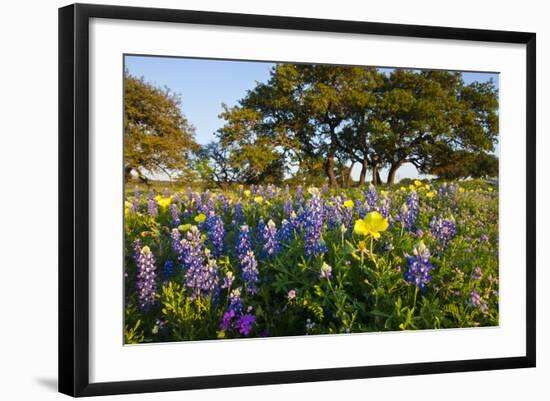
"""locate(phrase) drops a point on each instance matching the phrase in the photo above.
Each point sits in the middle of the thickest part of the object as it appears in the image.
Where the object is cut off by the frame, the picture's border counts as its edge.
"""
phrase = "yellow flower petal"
(360, 228)
(201, 218)
(164, 202)
(373, 224)
(184, 227)
(348, 204)
(376, 222)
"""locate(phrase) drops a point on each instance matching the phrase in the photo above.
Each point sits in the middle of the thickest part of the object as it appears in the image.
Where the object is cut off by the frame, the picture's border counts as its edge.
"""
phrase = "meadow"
(267, 261)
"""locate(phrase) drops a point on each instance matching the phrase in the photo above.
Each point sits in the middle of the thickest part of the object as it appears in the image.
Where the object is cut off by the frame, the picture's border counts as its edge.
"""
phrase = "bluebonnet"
(371, 198)
(419, 267)
(249, 265)
(152, 207)
(271, 191)
(249, 269)
(176, 244)
(384, 206)
(271, 246)
(238, 214)
(408, 213)
(234, 309)
(228, 280)
(201, 276)
(285, 232)
(287, 208)
(216, 232)
(313, 222)
(145, 276)
(443, 189)
(299, 195)
(174, 213)
(296, 222)
(336, 213)
(205, 203)
(443, 229)
(224, 202)
(333, 212)
(360, 208)
(235, 301)
(168, 270)
(243, 242)
(259, 232)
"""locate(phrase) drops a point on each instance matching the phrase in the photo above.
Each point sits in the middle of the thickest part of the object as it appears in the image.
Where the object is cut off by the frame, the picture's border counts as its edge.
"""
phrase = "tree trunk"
(329, 164)
(349, 180)
(375, 175)
(393, 170)
(378, 179)
(363, 174)
(128, 173)
(329, 170)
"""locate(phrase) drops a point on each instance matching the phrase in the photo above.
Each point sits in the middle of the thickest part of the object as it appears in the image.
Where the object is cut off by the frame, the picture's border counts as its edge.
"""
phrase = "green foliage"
(186, 319)
(157, 137)
(323, 119)
(366, 292)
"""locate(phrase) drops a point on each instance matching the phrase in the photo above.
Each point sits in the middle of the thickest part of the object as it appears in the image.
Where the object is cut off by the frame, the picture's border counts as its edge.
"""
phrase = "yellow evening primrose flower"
(403, 189)
(164, 202)
(127, 204)
(427, 187)
(313, 191)
(184, 227)
(418, 183)
(201, 218)
(247, 192)
(430, 194)
(373, 224)
(490, 189)
(411, 187)
(258, 199)
(384, 193)
(461, 189)
(348, 204)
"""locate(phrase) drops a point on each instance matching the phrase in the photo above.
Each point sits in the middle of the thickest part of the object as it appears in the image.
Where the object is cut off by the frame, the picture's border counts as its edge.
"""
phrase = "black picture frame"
(74, 198)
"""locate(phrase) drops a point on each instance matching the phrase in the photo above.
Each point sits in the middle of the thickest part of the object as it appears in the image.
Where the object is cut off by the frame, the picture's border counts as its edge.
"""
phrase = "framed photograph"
(251, 199)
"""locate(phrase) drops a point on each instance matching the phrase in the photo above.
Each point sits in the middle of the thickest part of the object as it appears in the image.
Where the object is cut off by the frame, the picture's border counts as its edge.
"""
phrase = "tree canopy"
(313, 121)
(157, 136)
(336, 116)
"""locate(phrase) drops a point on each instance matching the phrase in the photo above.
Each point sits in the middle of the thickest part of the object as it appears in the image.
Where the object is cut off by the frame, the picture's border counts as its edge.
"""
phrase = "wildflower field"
(265, 261)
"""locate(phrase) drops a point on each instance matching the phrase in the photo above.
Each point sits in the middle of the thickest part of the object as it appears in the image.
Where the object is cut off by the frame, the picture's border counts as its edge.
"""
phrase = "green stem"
(415, 294)
(371, 253)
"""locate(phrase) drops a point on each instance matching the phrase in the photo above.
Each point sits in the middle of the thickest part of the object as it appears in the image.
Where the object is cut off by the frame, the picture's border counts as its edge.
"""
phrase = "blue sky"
(205, 84)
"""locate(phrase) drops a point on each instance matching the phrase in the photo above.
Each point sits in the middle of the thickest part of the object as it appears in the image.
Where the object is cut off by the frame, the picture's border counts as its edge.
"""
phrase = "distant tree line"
(314, 123)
